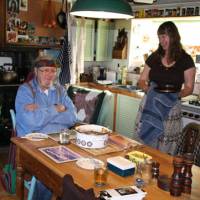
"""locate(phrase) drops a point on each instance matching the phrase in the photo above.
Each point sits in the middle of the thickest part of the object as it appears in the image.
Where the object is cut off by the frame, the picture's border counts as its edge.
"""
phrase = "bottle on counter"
(124, 75)
(119, 74)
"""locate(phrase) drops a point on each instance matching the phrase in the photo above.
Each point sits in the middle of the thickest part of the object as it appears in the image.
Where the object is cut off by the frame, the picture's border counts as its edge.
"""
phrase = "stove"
(191, 112)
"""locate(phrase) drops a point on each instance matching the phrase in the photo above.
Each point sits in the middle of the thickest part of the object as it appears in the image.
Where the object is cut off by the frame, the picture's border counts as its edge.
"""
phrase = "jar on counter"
(196, 11)
(124, 75)
(147, 172)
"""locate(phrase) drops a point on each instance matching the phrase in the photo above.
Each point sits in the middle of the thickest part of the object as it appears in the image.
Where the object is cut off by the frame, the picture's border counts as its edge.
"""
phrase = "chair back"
(13, 118)
(190, 142)
(30, 185)
(75, 192)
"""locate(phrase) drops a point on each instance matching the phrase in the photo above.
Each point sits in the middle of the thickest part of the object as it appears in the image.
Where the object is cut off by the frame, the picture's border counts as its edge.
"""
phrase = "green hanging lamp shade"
(107, 9)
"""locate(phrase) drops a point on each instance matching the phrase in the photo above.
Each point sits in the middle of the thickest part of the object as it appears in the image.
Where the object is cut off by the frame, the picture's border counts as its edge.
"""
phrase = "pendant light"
(105, 9)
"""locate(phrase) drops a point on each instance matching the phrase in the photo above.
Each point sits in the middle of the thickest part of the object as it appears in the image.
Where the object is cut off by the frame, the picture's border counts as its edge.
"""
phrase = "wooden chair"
(190, 142)
(29, 185)
(74, 192)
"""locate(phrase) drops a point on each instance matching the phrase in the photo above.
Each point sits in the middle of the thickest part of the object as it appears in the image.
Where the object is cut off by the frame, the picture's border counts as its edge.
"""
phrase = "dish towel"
(156, 110)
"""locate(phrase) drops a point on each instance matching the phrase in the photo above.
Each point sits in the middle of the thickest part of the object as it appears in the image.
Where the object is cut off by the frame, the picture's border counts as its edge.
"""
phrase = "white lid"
(144, 1)
(121, 162)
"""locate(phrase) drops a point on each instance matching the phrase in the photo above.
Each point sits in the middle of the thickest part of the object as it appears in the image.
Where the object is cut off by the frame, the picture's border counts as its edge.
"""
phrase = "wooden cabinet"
(127, 108)
(2, 22)
(26, 28)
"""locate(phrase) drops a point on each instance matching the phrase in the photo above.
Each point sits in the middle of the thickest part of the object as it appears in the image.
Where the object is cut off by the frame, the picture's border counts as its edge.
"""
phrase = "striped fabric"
(65, 60)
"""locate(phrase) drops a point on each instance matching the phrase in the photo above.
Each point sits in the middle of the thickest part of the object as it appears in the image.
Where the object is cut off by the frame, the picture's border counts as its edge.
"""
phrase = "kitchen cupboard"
(127, 108)
(25, 28)
(125, 114)
(107, 110)
(98, 40)
(104, 41)
(119, 108)
(89, 40)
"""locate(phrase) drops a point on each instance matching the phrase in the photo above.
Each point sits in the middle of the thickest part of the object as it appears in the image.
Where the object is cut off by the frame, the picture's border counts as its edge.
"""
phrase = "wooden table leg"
(20, 177)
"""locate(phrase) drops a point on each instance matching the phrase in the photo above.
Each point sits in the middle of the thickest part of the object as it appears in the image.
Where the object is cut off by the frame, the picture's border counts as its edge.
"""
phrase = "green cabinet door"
(89, 40)
(127, 108)
(104, 40)
(88, 26)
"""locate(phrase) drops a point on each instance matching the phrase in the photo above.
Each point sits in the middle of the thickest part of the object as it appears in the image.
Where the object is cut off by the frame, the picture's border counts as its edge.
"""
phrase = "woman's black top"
(173, 75)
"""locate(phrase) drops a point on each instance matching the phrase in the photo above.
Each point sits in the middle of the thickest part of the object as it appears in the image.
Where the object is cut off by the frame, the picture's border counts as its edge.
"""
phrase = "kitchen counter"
(114, 89)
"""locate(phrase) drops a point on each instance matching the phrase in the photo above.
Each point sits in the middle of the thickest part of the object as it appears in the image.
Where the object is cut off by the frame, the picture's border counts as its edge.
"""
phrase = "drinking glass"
(64, 136)
(100, 174)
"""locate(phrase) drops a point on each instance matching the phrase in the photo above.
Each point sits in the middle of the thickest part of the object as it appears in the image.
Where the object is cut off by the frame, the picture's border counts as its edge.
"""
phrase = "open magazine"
(60, 154)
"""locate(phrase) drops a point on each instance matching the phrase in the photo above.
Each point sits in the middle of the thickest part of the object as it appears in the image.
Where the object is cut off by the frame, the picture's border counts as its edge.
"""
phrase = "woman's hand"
(144, 78)
(143, 85)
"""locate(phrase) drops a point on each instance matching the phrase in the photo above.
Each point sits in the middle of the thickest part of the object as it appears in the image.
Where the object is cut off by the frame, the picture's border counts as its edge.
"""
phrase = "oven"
(191, 112)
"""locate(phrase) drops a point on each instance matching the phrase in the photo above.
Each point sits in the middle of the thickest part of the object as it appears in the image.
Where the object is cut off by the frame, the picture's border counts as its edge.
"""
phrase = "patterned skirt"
(173, 126)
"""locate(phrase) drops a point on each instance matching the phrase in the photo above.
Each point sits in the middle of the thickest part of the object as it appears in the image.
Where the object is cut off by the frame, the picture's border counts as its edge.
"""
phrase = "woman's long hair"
(175, 46)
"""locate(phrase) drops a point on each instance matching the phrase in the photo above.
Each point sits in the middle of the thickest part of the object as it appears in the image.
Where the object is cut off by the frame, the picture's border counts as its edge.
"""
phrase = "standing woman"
(168, 75)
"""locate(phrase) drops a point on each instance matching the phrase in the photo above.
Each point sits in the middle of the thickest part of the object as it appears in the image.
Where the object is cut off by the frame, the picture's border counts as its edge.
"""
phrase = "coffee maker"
(102, 74)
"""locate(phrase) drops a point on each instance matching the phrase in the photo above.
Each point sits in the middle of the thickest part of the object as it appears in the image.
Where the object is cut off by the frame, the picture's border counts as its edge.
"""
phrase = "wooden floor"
(3, 158)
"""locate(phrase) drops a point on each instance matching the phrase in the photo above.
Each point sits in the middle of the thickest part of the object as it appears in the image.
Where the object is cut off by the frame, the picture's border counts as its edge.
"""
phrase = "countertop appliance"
(7, 73)
(191, 112)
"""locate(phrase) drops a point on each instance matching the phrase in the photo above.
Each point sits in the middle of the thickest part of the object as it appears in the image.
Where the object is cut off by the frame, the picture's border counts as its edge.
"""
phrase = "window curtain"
(76, 30)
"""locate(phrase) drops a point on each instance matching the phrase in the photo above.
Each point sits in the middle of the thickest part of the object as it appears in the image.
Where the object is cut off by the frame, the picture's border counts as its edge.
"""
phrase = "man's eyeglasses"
(47, 71)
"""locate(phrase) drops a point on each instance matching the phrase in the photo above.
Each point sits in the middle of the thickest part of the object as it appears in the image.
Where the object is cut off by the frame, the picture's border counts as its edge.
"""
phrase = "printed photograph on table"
(60, 154)
(123, 193)
(23, 5)
(13, 6)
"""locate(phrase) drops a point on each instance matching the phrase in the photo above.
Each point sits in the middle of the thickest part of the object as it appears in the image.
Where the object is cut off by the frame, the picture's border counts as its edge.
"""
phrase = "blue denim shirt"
(44, 119)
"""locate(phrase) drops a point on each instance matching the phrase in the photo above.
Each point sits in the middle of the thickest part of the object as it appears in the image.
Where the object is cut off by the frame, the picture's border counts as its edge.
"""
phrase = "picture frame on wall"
(13, 6)
(23, 5)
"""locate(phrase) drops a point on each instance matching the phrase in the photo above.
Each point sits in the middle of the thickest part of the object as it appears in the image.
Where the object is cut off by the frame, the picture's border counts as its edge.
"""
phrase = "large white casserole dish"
(92, 136)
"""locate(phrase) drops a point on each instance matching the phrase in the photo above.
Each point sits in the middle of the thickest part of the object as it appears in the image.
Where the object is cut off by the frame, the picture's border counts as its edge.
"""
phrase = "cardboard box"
(121, 166)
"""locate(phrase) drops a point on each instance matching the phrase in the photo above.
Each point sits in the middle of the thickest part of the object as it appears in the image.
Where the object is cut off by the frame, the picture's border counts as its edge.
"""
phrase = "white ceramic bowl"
(92, 136)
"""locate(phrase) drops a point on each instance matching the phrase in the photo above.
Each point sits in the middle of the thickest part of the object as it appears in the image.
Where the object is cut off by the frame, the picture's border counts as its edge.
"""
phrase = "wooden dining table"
(30, 160)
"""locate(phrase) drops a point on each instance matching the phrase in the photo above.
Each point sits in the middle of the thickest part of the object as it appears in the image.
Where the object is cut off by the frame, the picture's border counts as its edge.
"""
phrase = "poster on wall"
(13, 6)
(23, 5)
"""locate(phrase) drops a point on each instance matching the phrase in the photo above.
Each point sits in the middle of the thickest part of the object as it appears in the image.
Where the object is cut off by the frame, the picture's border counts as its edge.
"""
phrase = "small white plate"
(105, 82)
(88, 163)
(36, 136)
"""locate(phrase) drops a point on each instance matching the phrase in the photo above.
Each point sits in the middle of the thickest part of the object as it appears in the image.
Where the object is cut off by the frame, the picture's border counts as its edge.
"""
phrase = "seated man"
(42, 106)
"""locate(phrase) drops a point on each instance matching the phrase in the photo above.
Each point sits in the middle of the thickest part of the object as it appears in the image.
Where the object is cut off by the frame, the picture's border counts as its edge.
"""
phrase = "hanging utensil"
(61, 17)
(49, 15)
